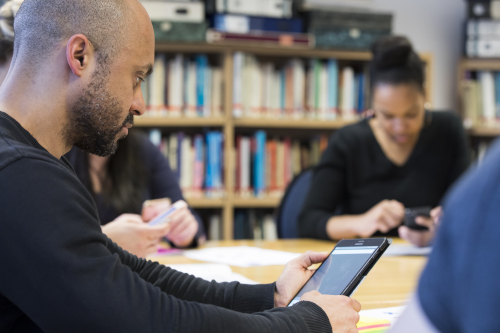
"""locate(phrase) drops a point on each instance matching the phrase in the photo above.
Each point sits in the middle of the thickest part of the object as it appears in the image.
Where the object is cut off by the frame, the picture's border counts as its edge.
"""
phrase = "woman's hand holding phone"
(422, 238)
(384, 216)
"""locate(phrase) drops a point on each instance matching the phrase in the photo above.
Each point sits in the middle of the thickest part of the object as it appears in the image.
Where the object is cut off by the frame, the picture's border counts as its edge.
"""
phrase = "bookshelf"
(230, 126)
(479, 131)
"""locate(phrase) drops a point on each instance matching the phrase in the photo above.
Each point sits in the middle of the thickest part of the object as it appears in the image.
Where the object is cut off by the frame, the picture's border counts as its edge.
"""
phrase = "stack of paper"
(242, 256)
(209, 272)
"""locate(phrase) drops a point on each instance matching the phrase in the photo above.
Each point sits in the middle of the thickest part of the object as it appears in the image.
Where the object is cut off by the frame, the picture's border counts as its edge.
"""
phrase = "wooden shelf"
(480, 64)
(206, 202)
(292, 123)
(266, 202)
(481, 131)
(178, 122)
(270, 50)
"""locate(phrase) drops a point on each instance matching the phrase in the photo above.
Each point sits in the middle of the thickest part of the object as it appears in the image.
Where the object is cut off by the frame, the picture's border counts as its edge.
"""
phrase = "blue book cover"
(208, 167)
(260, 163)
(333, 84)
(217, 165)
(497, 94)
(243, 24)
(201, 66)
(361, 93)
(282, 89)
(213, 179)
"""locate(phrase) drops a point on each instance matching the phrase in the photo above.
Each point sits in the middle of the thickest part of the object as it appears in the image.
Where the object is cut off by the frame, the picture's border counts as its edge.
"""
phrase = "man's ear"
(79, 51)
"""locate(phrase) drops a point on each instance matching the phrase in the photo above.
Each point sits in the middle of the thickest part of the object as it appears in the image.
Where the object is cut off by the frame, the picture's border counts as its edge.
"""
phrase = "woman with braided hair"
(403, 157)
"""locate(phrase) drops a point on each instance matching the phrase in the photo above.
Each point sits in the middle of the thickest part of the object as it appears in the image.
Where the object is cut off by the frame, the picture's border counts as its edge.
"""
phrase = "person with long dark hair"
(128, 188)
(403, 157)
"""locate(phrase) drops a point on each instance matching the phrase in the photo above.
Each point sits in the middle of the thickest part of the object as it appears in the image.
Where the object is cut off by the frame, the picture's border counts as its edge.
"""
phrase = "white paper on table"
(391, 314)
(407, 250)
(209, 272)
(242, 256)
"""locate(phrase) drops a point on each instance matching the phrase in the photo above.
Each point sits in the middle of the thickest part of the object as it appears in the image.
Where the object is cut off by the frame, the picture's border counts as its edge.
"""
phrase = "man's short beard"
(95, 118)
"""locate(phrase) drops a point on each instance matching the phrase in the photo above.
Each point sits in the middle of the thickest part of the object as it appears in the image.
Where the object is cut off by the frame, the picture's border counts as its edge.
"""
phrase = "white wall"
(434, 26)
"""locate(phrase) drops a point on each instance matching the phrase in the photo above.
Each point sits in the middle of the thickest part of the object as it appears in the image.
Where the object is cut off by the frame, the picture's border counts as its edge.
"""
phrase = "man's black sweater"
(59, 273)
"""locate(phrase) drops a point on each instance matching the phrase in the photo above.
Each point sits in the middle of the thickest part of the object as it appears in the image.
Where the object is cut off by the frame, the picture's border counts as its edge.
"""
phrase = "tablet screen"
(337, 270)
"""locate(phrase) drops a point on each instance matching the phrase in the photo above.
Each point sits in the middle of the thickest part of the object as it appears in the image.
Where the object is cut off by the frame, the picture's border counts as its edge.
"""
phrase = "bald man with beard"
(75, 81)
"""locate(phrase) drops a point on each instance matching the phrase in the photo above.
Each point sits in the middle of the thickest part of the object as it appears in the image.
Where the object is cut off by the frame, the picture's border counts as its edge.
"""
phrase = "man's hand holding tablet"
(342, 311)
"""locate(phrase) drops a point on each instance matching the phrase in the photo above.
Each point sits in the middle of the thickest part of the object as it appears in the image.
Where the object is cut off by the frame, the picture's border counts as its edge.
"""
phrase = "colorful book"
(259, 163)
(201, 66)
(244, 24)
(333, 87)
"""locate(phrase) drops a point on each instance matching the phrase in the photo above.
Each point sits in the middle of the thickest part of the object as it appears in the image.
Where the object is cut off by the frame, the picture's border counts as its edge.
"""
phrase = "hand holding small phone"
(411, 214)
(423, 236)
(164, 217)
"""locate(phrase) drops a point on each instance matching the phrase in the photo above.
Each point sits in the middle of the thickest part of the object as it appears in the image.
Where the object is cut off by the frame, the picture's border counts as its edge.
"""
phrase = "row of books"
(254, 224)
(316, 89)
(266, 166)
(248, 224)
(481, 98)
(195, 160)
(184, 86)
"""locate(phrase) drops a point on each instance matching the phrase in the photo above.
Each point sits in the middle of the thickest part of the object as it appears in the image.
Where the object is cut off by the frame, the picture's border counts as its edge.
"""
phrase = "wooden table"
(389, 283)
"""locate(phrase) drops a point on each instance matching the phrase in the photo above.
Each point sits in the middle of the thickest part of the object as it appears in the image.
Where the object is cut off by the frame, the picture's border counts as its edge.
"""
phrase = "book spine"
(185, 87)
(217, 92)
(361, 93)
(158, 86)
(237, 82)
(260, 163)
(333, 87)
(186, 167)
(323, 92)
(488, 96)
(245, 164)
(198, 164)
(201, 65)
(282, 91)
(244, 24)
(317, 69)
(207, 92)
(348, 92)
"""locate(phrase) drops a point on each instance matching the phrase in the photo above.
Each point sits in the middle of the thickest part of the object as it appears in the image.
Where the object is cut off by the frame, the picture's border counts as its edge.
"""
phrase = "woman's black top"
(354, 173)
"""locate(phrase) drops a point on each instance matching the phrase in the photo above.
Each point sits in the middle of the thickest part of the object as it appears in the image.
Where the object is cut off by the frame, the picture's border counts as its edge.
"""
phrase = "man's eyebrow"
(149, 70)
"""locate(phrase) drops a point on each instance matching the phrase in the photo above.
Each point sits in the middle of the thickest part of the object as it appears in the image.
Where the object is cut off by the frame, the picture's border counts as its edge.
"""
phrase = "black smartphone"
(412, 213)
(346, 267)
